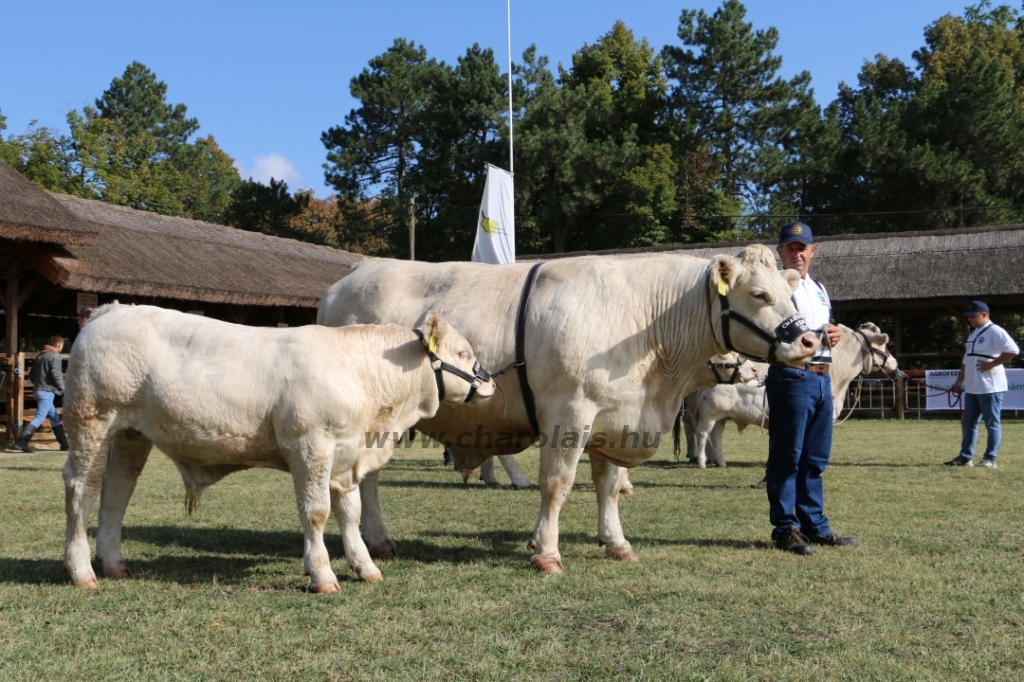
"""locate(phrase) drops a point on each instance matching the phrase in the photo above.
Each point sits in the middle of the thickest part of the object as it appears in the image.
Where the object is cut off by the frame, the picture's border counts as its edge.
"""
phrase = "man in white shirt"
(983, 380)
(800, 403)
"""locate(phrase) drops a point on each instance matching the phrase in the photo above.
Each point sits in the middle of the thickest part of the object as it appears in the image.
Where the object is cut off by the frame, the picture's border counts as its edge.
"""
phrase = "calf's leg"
(128, 453)
(487, 473)
(310, 464)
(716, 443)
(83, 475)
(346, 506)
(515, 475)
(371, 525)
(608, 481)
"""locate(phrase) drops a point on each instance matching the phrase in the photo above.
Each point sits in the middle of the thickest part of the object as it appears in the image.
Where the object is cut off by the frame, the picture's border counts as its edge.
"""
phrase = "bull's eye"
(463, 355)
(760, 295)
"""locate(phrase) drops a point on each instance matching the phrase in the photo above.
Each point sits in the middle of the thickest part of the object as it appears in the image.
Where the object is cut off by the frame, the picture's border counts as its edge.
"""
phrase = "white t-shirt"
(813, 304)
(990, 341)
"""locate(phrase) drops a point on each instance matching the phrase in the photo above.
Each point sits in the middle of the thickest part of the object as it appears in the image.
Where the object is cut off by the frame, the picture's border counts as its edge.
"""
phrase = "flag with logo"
(495, 226)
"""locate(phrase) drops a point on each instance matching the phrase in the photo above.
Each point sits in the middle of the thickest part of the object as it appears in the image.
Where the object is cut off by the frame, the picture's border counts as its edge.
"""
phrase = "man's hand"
(834, 334)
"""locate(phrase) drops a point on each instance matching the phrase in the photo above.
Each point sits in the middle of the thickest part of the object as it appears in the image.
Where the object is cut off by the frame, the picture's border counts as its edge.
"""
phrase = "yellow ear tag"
(723, 288)
(432, 345)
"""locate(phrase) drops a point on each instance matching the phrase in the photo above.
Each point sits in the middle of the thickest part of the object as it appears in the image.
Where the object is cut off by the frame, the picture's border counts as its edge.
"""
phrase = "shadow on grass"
(684, 464)
(888, 465)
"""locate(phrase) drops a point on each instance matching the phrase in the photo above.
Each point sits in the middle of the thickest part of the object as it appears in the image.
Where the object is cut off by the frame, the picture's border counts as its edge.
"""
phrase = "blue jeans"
(978, 406)
(799, 447)
(45, 409)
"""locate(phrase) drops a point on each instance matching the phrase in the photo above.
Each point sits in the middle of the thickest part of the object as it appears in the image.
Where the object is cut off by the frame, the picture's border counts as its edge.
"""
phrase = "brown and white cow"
(610, 345)
(218, 398)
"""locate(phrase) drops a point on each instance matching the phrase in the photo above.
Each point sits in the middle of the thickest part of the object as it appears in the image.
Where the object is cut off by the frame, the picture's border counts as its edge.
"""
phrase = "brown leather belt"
(819, 368)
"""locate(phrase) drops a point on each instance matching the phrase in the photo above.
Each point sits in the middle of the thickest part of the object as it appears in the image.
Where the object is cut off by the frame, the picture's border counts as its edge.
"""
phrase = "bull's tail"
(676, 429)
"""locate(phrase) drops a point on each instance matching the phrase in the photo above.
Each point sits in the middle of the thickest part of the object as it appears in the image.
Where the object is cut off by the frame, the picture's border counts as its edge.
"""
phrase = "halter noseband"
(788, 331)
(734, 366)
(478, 377)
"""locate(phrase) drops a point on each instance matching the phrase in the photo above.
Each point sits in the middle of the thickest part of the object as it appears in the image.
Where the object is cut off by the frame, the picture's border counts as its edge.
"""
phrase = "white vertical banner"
(496, 224)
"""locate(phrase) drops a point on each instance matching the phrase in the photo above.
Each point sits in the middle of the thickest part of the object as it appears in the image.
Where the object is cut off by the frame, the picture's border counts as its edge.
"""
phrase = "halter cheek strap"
(788, 331)
(479, 376)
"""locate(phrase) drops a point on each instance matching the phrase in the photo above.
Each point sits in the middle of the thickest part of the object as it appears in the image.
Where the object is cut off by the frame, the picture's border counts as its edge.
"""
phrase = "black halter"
(789, 330)
(478, 377)
(870, 351)
(734, 366)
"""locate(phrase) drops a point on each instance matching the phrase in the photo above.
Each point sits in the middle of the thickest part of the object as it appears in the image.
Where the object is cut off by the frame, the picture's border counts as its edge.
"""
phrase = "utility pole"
(412, 228)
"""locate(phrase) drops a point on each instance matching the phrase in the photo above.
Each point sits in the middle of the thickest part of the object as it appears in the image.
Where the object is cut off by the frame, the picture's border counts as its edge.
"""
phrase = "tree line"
(625, 146)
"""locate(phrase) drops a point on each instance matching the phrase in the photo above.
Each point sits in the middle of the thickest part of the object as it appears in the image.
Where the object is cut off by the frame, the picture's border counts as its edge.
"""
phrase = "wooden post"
(15, 382)
(901, 386)
(19, 390)
(412, 228)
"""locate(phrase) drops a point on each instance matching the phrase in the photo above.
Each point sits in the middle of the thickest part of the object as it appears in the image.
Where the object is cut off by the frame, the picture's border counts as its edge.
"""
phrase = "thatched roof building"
(27, 212)
(905, 272)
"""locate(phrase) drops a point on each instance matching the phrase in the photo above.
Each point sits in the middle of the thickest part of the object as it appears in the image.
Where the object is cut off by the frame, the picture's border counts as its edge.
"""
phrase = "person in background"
(83, 316)
(47, 380)
(983, 380)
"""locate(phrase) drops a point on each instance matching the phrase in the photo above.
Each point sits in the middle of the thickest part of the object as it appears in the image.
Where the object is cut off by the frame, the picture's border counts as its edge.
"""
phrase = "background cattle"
(857, 353)
(611, 344)
(319, 403)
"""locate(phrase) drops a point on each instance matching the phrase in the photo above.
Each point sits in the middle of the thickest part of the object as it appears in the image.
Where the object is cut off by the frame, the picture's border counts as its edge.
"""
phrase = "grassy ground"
(933, 593)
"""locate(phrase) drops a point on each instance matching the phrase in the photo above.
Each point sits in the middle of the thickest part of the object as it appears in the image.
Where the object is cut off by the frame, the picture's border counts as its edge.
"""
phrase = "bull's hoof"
(372, 578)
(385, 550)
(622, 554)
(702, 465)
(88, 584)
(546, 564)
(327, 588)
(122, 572)
(626, 490)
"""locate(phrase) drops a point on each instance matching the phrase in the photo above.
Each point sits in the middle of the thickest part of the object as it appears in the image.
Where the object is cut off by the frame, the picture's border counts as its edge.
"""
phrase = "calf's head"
(459, 376)
(755, 315)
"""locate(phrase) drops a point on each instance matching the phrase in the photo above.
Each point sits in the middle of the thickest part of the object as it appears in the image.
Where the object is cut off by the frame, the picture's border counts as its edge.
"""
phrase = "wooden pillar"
(901, 385)
(280, 314)
(15, 382)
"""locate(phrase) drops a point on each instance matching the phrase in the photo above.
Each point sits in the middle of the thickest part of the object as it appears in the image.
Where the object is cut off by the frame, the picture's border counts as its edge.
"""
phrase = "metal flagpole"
(508, 8)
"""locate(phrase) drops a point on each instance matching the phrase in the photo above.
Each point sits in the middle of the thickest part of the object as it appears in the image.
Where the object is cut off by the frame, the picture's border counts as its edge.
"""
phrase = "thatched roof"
(146, 254)
(29, 213)
(951, 264)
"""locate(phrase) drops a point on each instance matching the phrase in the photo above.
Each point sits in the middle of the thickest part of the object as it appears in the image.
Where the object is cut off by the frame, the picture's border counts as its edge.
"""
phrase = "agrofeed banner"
(496, 224)
(944, 378)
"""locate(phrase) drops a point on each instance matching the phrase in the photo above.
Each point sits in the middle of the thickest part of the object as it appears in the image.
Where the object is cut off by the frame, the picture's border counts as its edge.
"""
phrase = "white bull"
(857, 353)
(217, 398)
(610, 346)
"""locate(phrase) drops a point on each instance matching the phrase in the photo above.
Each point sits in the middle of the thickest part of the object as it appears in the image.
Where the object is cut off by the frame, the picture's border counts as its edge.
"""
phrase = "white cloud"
(269, 166)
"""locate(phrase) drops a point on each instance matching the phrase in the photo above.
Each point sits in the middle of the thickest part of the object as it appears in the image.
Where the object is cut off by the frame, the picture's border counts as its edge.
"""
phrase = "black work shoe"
(959, 461)
(794, 541)
(834, 540)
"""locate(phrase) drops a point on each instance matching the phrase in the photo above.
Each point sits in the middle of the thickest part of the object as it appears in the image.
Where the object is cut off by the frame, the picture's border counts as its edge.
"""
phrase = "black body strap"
(531, 408)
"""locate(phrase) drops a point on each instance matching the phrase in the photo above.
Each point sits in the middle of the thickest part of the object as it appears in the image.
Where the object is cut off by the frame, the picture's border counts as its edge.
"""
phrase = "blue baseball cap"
(977, 307)
(796, 232)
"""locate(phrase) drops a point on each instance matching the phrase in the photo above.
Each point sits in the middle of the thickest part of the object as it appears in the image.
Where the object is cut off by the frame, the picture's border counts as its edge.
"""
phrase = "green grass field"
(934, 592)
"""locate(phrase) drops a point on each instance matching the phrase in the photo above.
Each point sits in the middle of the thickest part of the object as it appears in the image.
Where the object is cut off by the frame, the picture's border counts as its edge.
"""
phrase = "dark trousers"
(799, 446)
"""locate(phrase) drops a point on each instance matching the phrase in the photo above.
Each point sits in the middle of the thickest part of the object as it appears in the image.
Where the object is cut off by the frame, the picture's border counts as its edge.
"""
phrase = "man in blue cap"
(800, 403)
(983, 380)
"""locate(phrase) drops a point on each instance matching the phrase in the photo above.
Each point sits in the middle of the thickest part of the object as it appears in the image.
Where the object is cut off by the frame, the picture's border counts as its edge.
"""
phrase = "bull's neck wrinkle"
(683, 326)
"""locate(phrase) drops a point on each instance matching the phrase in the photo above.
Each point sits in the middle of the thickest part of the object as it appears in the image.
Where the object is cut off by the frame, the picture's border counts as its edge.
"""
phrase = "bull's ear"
(725, 271)
(434, 328)
(792, 277)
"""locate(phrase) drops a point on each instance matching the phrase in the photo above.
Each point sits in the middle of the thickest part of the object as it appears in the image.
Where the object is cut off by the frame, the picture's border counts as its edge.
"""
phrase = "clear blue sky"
(266, 78)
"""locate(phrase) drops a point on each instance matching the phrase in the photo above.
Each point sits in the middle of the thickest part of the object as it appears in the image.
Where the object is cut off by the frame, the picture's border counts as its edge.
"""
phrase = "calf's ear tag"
(432, 345)
(723, 288)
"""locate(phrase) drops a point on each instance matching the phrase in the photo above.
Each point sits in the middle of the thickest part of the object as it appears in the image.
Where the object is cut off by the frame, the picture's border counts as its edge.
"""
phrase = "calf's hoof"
(116, 573)
(327, 588)
(88, 583)
(525, 486)
(492, 484)
(622, 554)
(372, 578)
(385, 550)
(626, 490)
(547, 564)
